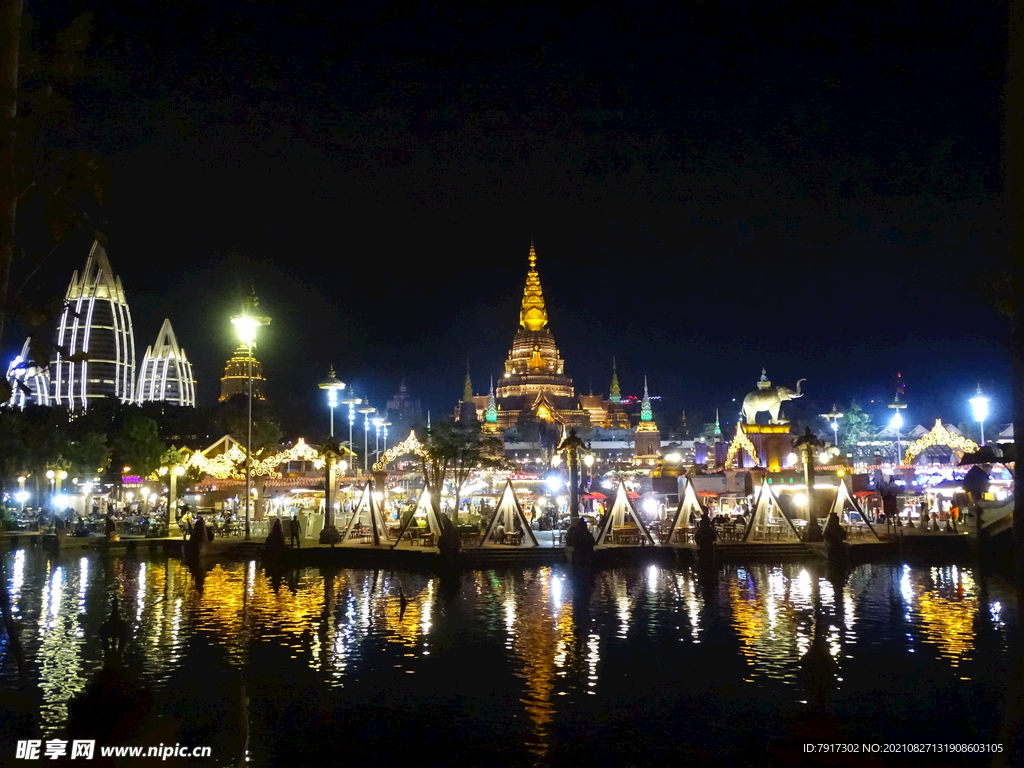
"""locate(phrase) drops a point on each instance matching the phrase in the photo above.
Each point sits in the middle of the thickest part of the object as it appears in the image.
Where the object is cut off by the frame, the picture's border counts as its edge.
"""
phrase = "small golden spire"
(533, 316)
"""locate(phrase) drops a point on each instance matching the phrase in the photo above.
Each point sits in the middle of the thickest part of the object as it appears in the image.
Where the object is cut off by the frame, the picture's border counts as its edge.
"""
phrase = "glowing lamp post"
(979, 407)
(351, 402)
(896, 422)
(173, 473)
(332, 387)
(246, 325)
(571, 447)
(808, 444)
(834, 416)
(366, 411)
(22, 495)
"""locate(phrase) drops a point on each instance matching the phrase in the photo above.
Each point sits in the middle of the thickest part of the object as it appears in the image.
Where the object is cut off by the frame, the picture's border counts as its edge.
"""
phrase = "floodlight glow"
(671, 458)
(801, 499)
(245, 327)
(553, 483)
(650, 506)
(896, 421)
(22, 496)
(60, 500)
(979, 405)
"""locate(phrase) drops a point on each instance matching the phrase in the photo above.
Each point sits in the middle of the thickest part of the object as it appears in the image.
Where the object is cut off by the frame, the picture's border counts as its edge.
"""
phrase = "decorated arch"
(739, 444)
(407, 446)
(940, 435)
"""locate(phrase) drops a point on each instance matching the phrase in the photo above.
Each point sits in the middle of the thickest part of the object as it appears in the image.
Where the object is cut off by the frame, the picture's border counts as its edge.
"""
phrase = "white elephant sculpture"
(770, 400)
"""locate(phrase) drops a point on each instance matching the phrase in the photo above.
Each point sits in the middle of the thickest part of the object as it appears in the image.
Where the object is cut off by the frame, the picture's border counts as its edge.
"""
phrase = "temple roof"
(533, 316)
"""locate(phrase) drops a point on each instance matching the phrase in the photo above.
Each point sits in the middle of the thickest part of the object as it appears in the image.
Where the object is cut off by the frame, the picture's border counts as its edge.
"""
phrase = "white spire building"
(30, 382)
(95, 355)
(165, 374)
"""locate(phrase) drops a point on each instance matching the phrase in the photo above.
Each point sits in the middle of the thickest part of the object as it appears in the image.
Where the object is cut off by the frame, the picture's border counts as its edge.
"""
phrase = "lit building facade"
(95, 343)
(165, 374)
(235, 380)
(535, 401)
(29, 381)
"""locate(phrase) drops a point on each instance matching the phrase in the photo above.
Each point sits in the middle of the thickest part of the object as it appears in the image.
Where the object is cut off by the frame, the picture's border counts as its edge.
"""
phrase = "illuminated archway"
(740, 443)
(409, 445)
(939, 435)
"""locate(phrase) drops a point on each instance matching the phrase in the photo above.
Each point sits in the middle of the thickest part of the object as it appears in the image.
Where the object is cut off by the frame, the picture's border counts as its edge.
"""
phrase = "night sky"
(712, 187)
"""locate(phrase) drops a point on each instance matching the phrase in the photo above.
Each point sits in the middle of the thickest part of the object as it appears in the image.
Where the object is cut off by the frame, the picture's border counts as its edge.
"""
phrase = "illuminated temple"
(534, 387)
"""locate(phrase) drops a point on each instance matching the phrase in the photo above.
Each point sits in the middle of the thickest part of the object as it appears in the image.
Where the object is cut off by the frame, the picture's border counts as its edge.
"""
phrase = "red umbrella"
(633, 495)
(595, 495)
(707, 494)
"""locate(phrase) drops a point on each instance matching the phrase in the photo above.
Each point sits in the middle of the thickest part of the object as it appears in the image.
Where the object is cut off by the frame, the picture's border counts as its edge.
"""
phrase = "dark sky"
(713, 187)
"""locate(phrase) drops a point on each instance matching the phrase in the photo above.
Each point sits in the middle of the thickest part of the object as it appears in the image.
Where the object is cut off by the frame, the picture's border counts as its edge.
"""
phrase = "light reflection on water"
(562, 640)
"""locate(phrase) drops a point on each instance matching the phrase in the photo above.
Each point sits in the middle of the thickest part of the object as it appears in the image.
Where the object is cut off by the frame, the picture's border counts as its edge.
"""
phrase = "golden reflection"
(947, 612)
(773, 615)
(61, 673)
(541, 637)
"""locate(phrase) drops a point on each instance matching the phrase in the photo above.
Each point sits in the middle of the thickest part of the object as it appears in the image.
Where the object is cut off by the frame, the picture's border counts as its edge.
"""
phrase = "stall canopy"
(622, 513)
(425, 509)
(689, 505)
(367, 517)
(508, 513)
(768, 522)
(844, 504)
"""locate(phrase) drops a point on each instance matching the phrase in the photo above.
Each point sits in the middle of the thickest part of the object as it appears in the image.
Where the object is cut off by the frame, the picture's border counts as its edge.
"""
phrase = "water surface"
(528, 666)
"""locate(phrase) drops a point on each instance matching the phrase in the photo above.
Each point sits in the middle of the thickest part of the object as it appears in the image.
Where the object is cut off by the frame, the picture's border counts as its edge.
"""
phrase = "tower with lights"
(165, 374)
(95, 343)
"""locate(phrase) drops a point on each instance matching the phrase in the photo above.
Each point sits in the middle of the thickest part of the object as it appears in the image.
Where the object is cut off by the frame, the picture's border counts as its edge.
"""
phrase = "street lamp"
(246, 325)
(366, 411)
(22, 495)
(979, 405)
(173, 472)
(351, 402)
(834, 416)
(571, 447)
(332, 386)
(896, 422)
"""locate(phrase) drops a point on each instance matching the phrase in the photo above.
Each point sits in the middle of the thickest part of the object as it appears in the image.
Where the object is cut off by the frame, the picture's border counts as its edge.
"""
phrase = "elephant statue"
(770, 400)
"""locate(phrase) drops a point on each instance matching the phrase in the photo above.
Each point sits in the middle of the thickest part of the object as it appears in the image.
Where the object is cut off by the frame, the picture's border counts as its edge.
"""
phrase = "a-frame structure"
(687, 511)
(622, 513)
(768, 522)
(367, 518)
(844, 503)
(508, 512)
(425, 508)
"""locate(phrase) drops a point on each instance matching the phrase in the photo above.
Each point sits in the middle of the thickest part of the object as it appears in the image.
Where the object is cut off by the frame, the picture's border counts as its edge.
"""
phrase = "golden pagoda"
(235, 380)
(534, 386)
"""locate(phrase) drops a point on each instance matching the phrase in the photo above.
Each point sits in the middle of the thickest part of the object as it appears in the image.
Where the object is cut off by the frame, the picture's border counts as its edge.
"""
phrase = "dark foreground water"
(632, 666)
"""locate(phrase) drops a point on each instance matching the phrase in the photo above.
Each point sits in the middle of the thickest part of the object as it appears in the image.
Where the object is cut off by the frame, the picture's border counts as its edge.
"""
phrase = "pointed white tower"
(95, 342)
(30, 382)
(166, 374)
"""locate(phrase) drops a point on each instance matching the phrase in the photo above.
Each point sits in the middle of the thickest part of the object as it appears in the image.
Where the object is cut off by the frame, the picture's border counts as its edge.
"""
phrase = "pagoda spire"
(718, 426)
(467, 388)
(533, 316)
(615, 391)
(492, 408)
(645, 405)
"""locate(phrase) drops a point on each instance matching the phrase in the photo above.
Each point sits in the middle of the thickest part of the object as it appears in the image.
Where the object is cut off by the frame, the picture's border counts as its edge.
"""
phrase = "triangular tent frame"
(689, 503)
(621, 507)
(839, 507)
(426, 505)
(367, 506)
(509, 510)
(758, 522)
